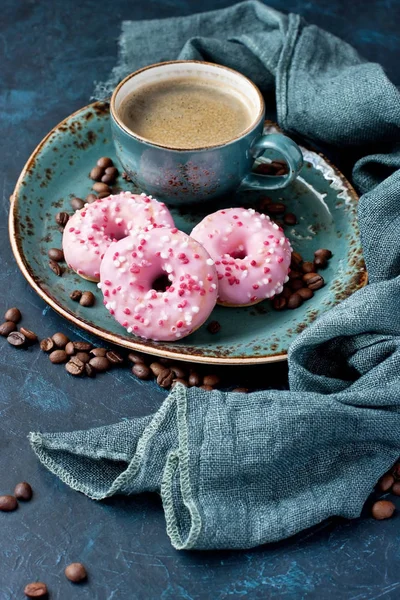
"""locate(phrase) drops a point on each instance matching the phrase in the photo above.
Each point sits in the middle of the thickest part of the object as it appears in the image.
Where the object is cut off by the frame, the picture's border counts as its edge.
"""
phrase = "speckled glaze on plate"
(323, 200)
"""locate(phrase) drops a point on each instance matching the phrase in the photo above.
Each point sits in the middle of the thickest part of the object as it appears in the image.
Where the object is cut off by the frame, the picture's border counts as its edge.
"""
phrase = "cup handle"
(289, 150)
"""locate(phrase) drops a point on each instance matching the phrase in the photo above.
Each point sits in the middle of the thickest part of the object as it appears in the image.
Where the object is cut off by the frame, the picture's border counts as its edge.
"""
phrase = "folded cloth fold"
(239, 470)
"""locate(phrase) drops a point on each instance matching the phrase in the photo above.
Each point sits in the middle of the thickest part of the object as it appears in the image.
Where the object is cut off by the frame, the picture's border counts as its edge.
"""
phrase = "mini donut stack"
(162, 284)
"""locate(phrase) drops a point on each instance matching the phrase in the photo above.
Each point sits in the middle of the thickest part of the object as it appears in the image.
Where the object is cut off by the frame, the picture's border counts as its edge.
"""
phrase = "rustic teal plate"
(324, 202)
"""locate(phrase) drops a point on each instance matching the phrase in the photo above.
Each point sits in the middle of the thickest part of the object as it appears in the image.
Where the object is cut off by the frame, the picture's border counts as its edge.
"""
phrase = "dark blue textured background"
(51, 53)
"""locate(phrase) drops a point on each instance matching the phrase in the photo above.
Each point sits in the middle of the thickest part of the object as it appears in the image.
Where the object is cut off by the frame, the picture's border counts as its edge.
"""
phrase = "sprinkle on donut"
(251, 254)
(92, 229)
(158, 283)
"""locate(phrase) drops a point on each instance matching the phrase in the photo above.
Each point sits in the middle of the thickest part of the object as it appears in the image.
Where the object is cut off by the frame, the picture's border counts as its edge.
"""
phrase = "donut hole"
(238, 252)
(117, 234)
(161, 283)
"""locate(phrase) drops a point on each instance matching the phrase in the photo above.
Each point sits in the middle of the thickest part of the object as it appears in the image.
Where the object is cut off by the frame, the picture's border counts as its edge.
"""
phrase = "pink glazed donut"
(251, 253)
(133, 267)
(91, 230)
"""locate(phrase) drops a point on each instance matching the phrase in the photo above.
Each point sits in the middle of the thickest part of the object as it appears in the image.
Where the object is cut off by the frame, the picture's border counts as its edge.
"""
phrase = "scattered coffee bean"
(279, 302)
(104, 162)
(60, 339)
(98, 351)
(313, 281)
(47, 345)
(214, 327)
(8, 503)
(30, 336)
(90, 372)
(13, 314)
(77, 203)
(321, 257)
(293, 274)
(263, 203)
(164, 361)
(108, 179)
(75, 295)
(87, 299)
(383, 509)
(70, 349)
(157, 368)
(396, 488)
(286, 292)
(110, 175)
(178, 371)
(90, 198)
(115, 357)
(396, 471)
(100, 363)
(96, 173)
(296, 260)
(57, 357)
(241, 390)
(207, 388)
(36, 590)
(296, 284)
(135, 358)
(265, 169)
(16, 339)
(212, 380)
(56, 254)
(294, 301)
(280, 166)
(82, 346)
(55, 267)
(104, 194)
(195, 380)
(111, 170)
(7, 327)
(23, 491)
(165, 378)
(141, 371)
(75, 366)
(386, 482)
(308, 267)
(62, 218)
(101, 187)
(75, 572)
(83, 357)
(290, 219)
(179, 380)
(276, 208)
(305, 293)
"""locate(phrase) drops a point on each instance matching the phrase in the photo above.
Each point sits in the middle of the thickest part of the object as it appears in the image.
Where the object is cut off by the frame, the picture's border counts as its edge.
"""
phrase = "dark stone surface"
(51, 53)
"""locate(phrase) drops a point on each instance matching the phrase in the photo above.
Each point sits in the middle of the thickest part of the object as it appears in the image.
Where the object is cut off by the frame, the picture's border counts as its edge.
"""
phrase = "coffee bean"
(276, 208)
(75, 572)
(75, 295)
(179, 380)
(214, 327)
(8, 503)
(305, 293)
(241, 390)
(16, 339)
(87, 299)
(7, 327)
(111, 170)
(30, 336)
(296, 260)
(60, 339)
(290, 219)
(101, 187)
(383, 509)
(178, 371)
(58, 356)
(386, 482)
(105, 162)
(55, 267)
(75, 366)
(13, 314)
(296, 284)
(141, 371)
(96, 173)
(164, 361)
(157, 368)
(62, 218)
(47, 345)
(212, 380)
(396, 471)
(322, 256)
(90, 372)
(263, 203)
(135, 358)
(100, 363)
(23, 491)
(36, 590)
(83, 357)
(396, 488)
(265, 169)
(70, 349)
(104, 194)
(280, 166)
(56, 254)
(286, 292)
(308, 267)
(110, 175)
(108, 179)
(82, 346)
(279, 303)
(114, 357)
(207, 388)
(90, 198)
(126, 176)
(195, 380)
(293, 274)
(98, 352)
(165, 378)
(313, 281)
(294, 301)
(77, 203)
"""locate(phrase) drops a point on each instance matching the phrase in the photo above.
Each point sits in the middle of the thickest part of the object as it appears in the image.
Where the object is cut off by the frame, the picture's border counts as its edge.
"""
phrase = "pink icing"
(251, 253)
(91, 230)
(131, 266)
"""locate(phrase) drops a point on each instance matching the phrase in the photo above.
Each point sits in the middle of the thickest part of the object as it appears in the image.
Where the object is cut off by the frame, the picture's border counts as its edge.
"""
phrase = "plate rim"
(98, 331)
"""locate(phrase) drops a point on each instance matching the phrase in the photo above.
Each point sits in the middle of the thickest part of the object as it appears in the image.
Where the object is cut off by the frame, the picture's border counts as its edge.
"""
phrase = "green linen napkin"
(237, 470)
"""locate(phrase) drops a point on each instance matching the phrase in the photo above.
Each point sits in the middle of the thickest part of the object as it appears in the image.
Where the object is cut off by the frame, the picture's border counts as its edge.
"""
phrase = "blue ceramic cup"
(181, 175)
